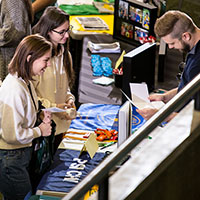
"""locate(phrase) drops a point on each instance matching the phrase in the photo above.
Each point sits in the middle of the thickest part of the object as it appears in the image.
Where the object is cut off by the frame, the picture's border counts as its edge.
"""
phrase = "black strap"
(29, 87)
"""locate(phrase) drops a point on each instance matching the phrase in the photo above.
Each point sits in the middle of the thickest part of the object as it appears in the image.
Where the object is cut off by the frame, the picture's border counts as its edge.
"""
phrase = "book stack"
(104, 47)
(92, 23)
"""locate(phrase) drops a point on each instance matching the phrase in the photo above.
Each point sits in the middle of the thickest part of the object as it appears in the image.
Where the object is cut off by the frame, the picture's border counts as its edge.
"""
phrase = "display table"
(68, 162)
(76, 43)
(88, 92)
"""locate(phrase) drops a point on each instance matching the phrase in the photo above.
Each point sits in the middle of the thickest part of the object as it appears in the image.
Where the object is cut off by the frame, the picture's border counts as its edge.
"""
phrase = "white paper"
(70, 144)
(103, 81)
(54, 110)
(127, 97)
(157, 104)
(140, 94)
(140, 103)
(140, 90)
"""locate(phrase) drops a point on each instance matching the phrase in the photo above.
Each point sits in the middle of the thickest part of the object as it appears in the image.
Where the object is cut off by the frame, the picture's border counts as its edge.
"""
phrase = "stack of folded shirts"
(104, 47)
(96, 65)
(101, 65)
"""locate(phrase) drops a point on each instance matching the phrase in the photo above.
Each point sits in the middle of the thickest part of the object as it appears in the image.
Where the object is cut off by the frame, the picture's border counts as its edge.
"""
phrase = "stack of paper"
(92, 23)
(104, 47)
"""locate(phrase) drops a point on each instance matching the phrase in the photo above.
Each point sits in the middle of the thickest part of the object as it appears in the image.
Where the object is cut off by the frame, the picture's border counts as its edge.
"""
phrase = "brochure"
(139, 94)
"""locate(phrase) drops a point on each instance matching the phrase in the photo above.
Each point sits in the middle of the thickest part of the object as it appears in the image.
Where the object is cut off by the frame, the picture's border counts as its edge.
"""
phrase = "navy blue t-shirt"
(192, 67)
(68, 169)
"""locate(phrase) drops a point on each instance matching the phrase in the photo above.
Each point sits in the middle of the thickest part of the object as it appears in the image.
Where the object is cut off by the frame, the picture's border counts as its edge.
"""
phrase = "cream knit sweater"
(53, 88)
(17, 114)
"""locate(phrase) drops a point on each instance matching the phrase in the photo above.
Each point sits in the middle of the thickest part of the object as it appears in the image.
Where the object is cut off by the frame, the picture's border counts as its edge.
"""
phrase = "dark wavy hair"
(34, 45)
(52, 18)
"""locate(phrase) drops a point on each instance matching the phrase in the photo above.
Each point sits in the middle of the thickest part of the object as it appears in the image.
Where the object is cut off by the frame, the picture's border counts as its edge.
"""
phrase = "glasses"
(64, 31)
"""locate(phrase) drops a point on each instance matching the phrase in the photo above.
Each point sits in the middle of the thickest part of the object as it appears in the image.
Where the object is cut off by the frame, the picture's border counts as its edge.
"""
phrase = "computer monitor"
(124, 122)
(133, 19)
(138, 67)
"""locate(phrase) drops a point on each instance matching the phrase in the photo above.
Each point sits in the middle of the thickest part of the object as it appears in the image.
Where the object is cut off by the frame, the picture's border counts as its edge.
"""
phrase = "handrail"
(102, 171)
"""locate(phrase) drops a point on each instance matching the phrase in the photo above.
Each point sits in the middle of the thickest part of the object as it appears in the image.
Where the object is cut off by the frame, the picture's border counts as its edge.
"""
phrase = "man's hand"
(157, 97)
(147, 113)
(164, 97)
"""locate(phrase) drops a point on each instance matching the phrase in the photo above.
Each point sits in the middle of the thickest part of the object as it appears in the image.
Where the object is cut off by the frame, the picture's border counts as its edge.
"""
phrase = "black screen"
(139, 66)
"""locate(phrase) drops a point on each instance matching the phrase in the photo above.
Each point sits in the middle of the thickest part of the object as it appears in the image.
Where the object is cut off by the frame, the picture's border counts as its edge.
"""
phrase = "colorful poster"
(140, 33)
(146, 19)
(136, 14)
(127, 30)
(123, 9)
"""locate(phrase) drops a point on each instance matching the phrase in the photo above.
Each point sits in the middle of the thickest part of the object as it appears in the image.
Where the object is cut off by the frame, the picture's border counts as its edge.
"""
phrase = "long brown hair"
(52, 18)
(34, 45)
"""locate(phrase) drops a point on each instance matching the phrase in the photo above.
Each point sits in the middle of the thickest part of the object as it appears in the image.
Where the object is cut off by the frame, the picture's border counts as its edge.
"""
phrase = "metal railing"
(100, 174)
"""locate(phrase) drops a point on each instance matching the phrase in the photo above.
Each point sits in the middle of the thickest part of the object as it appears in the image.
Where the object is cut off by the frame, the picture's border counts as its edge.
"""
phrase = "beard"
(185, 47)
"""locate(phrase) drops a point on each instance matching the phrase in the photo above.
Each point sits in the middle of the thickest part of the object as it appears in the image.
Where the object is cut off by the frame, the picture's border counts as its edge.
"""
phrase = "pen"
(107, 145)
(134, 130)
(76, 132)
(74, 138)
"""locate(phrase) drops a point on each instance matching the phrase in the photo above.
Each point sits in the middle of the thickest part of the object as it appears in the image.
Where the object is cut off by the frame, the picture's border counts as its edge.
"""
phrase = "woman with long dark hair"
(53, 87)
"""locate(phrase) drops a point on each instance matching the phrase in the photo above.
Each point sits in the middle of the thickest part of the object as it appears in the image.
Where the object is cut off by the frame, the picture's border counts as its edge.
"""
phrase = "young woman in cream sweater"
(18, 111)
(53, 87)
